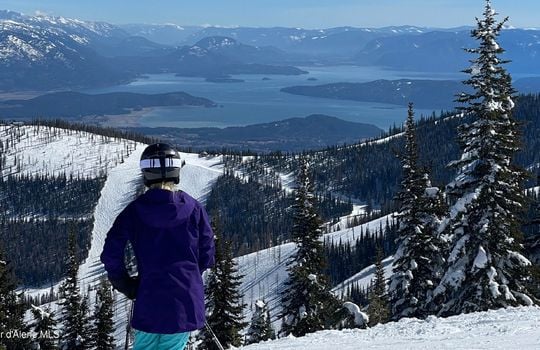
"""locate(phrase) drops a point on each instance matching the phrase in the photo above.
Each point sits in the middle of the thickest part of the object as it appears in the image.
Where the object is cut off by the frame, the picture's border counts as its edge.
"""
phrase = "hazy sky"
(291, 13)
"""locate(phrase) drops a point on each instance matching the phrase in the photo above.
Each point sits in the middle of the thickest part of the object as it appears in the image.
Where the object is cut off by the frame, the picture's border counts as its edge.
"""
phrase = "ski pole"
(216, 340)
(128, 325)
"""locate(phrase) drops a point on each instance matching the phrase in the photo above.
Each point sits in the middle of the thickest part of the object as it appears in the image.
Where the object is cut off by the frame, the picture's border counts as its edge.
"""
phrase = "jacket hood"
(163, 209)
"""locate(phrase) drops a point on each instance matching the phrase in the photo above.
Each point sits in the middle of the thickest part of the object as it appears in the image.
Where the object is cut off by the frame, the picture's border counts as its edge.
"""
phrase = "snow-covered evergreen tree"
(485, 268)
(70, 303)
(418, 259)
(103, 317)
(378, 308)
(88, 336)
(308, 304)
(353, 317)
(44, 327)
(260, 328)
(12, 308)
(224, 307)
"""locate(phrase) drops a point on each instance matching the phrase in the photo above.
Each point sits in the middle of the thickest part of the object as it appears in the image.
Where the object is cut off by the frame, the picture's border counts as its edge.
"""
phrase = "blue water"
(259, 101)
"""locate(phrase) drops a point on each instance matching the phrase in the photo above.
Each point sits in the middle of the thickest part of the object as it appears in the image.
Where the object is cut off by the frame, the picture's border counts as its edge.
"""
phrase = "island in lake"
(226, 79)
(71, 104)
(426, 94)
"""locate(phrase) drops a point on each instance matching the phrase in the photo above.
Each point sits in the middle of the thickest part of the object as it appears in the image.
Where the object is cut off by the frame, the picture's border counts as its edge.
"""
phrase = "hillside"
(50, 180)
(513, 328)
(53, 52)
(290, 135)
(90, 155)
(442, 51)
(48, 154)
(211, 57)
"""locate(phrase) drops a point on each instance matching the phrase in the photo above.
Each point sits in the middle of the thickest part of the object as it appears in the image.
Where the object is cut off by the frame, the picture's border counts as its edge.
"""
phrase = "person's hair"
(166, 185)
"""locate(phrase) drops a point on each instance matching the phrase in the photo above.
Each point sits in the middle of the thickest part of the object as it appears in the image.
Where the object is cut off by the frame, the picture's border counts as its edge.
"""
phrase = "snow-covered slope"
(120, 187)
(53, 151)
(44, 53)
(265, 271)
(33, 150)
(364, 278)
(504, 329)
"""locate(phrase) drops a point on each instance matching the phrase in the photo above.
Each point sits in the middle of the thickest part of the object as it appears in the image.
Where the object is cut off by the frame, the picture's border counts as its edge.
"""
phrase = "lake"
(258, 99)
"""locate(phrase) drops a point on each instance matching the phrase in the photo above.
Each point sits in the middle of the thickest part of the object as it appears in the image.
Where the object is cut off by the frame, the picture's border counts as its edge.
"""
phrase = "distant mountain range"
(442, 51)
(295, 134)
(425, 94)
(210, 58)
(47, 53)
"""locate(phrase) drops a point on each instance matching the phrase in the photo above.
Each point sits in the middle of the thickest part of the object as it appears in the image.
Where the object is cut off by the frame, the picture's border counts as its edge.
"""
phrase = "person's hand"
(127, 286)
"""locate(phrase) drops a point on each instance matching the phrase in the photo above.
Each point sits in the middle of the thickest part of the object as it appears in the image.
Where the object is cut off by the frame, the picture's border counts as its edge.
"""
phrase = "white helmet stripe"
(154, 163)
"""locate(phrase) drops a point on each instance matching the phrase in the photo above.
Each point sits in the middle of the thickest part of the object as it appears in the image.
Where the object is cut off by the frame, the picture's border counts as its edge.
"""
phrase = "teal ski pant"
(155, 341)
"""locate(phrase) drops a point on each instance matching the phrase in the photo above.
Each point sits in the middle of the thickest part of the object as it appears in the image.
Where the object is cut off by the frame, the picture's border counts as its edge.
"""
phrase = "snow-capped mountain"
(51, 52)
(23, 43)
(165, 34)
(298, 39)
(443, 50)
(239, 52)
(81, 31)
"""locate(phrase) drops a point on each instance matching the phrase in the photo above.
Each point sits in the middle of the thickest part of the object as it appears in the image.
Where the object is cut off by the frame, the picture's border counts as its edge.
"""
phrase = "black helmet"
(160, 163)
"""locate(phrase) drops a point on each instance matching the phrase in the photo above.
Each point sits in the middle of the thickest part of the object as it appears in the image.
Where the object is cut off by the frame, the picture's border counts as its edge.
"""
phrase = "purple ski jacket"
(173, 244)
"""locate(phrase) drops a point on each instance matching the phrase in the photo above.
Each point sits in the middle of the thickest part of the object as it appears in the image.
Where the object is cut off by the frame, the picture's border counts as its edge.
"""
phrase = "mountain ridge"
(294, 134)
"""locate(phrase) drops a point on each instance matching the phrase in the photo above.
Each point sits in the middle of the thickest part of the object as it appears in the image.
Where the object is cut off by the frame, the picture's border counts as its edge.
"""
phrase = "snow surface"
(52, 151)
(360, 318)
(364, 278)
(503, 329)
(265, 271)
(534, 190)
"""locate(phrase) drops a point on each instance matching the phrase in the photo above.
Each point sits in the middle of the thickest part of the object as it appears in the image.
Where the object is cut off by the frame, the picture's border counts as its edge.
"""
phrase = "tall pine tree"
(224, 308)
(45, 328)
(260, 328)
(378, 308)
(417, 262)
(70, 302)
(485, 269)
(103, 317)
(308, 304)
(87, 335)
(12, 308)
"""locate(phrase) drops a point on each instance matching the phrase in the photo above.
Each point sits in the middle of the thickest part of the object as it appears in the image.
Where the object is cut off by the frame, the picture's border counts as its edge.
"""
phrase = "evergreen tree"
(70, 302)
(378, 308)
(485, 269)
(87, 334)
(417, 261)
(308, 304)
(103, 317)
(260, 328)
(224, 308)
(353, 317)
(12, 309)
(45, 328)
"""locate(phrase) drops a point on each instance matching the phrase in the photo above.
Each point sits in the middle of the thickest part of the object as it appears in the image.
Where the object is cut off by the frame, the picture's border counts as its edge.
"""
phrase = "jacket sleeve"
(206, 242)
(113, 250)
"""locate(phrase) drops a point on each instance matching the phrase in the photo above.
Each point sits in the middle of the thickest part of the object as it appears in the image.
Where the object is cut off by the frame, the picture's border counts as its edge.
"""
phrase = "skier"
(173, 245)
